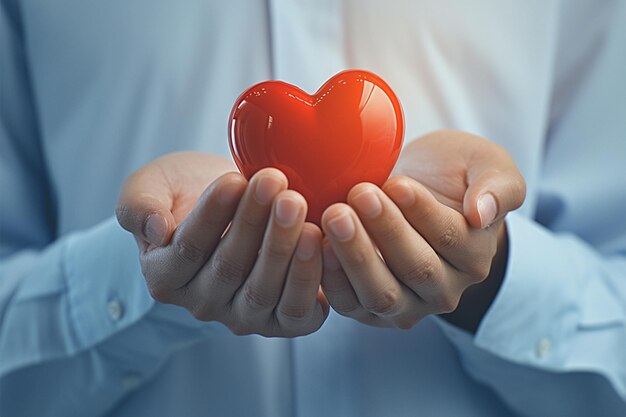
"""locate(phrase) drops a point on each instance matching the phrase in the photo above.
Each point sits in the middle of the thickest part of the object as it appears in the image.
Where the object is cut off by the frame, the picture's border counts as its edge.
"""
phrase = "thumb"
(144, 207)
(495, 187)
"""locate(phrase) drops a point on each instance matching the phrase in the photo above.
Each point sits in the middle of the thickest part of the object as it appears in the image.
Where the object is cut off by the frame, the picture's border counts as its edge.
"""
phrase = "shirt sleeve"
(72, 308)
(80, 307)
(554, 340)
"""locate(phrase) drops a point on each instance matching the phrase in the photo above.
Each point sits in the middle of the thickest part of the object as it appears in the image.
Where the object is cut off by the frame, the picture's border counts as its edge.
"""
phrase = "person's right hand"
(238, 253)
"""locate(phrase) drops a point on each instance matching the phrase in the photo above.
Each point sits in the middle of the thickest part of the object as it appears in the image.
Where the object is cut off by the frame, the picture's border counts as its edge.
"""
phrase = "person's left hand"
(395, 255)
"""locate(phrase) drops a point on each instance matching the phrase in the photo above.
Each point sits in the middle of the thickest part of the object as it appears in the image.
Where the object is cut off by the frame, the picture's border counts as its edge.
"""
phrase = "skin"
(209, 250)
(396, 254)
(240, 252)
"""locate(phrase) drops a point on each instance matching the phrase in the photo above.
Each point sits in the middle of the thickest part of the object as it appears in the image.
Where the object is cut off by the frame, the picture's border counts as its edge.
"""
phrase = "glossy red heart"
(349, 131)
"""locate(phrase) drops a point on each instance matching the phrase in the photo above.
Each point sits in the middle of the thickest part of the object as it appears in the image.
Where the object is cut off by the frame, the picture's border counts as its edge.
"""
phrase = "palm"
(186, 175)
(443, 164)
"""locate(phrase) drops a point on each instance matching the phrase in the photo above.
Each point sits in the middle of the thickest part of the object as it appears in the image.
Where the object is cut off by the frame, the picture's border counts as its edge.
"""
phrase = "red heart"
(349, 131)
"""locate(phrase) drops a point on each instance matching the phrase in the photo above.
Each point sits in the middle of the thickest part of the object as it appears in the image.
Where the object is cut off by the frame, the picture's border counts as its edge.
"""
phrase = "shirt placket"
(307, 42)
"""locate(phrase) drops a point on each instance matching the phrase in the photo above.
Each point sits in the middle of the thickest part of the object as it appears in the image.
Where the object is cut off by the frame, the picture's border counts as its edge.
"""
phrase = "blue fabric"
(90, 91)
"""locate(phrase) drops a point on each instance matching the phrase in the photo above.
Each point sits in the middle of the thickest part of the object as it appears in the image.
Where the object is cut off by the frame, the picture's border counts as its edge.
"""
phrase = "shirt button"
(543, 347)
(115, 309)
(131, 381)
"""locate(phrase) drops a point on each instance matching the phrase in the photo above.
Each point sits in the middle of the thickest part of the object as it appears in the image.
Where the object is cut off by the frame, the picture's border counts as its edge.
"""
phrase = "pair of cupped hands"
(241, 253)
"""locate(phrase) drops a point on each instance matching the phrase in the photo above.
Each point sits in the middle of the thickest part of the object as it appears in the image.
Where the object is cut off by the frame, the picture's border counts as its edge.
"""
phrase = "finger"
(144, 207)
(299, 310)
(261, 292)
(495, 187)
(411, 258)
(445, 229)
(376, 288)
(323, 301)
(230, 263)
(168, 268)
(339, 291)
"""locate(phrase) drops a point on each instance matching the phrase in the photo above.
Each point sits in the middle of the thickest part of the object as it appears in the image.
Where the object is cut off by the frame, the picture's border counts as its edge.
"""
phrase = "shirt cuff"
(107, 295)
(106, 291)
(544, 297)
(555, 323)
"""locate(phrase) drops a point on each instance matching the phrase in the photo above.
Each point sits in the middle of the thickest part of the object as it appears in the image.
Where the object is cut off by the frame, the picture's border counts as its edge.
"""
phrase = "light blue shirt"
(91, 91)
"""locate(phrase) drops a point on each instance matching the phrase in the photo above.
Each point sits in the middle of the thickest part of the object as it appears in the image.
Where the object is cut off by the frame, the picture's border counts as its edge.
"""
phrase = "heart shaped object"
(349, 131)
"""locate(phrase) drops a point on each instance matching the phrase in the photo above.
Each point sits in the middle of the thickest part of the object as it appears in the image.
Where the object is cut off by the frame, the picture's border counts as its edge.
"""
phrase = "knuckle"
(227, 270)
(425, 213)
(355, 260)
(313, 326)
(386, 303)
(202, 312)
(446, 302)
(391, 231)
(278, 249)
(302, 329)
(420, 273)
(294, 314)
(341, 299)
(479, 269)
(248, 221)
(303, 280)
(346, 308)
(188, 251)
(239, 329)
(333, 288)
(450, 237)
(407, 323)
(257, 300)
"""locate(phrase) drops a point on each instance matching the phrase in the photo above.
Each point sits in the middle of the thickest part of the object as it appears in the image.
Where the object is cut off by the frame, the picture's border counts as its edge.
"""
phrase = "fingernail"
(402, 194)
(368, 203)
(266, 189)
(155, 229)
(342, 227)
(228, 193)
(330, 260)
(287, 210)
(487, 209)
(306, 247)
